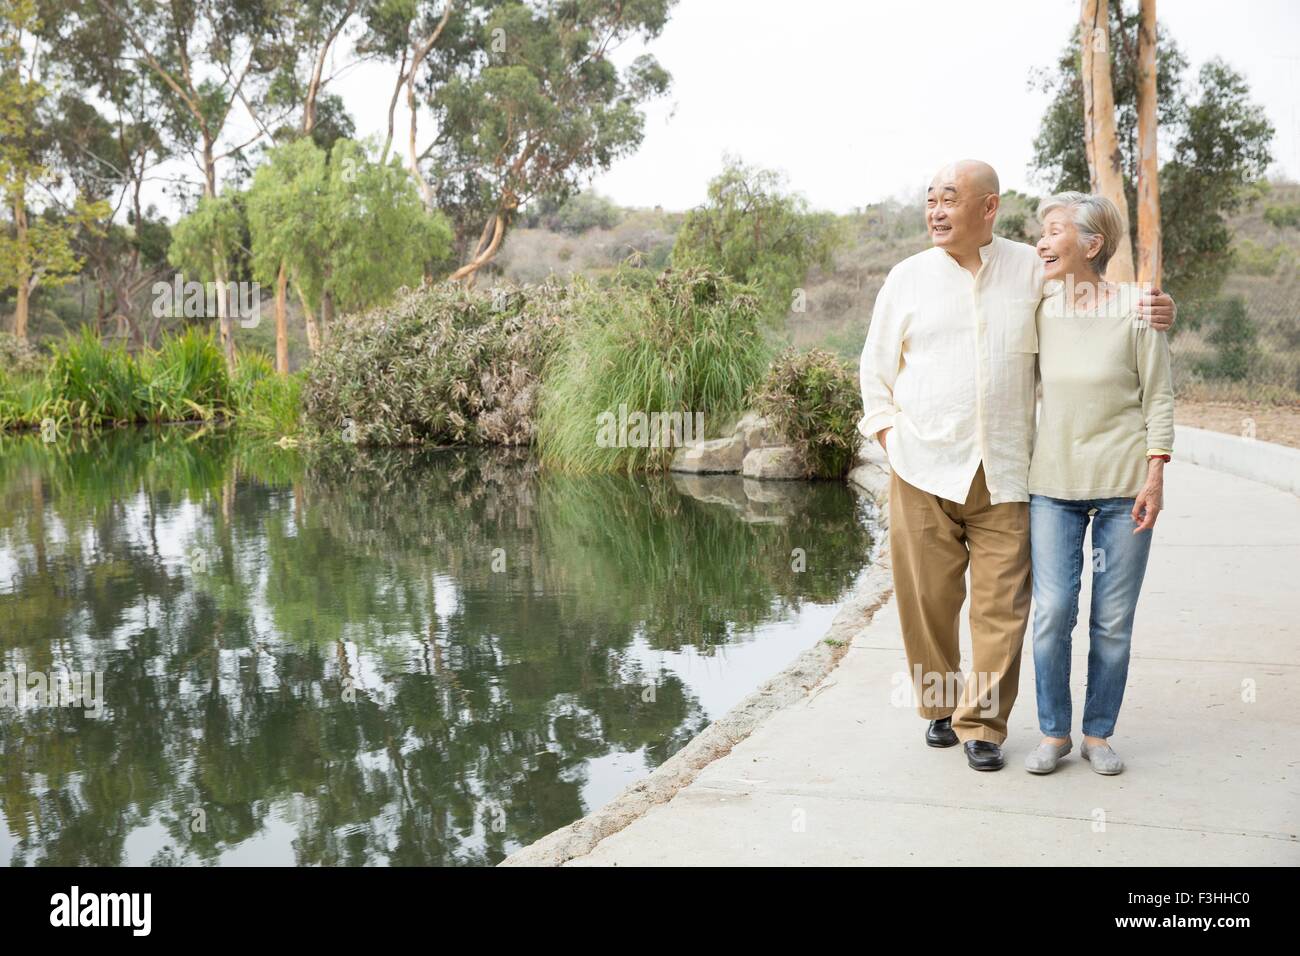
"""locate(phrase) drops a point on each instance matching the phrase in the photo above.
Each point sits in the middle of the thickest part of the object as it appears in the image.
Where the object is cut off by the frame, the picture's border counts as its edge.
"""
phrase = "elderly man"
(948, 389)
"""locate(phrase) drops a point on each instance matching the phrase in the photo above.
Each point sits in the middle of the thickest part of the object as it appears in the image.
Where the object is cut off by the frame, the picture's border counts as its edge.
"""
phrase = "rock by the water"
(756, 431)
(775, 462)
(720, 455)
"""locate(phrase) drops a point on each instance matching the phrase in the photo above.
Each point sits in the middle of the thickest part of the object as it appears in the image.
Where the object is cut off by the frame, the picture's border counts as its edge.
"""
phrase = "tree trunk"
(23, 278)
(227, 333)
(418, 56)
(483, 254)
(223, 310)
(309, 320)
(1105, 163)
(281, 321)
(1150, 264)
(392, 107)
(326, 316)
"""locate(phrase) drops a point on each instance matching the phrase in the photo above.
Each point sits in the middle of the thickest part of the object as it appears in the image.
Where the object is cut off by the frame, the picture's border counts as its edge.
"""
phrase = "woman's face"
(1059, 246)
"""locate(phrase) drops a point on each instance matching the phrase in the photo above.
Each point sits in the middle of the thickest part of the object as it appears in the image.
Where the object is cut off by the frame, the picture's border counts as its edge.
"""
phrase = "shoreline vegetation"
(444, 365)
(85, 383)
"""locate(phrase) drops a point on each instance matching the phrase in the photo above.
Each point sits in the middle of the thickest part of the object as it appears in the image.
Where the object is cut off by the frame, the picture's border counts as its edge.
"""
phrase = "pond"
(428, 657)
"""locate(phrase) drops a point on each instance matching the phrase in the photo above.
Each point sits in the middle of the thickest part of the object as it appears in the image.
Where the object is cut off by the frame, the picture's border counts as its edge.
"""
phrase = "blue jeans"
(1119, 561)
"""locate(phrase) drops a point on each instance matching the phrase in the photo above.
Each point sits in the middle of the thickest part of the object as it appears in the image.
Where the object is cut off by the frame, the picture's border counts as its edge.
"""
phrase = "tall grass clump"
(689, 342)
(275, 407)
(184, 379)
(26, 402)
(88, 383)
(441, 364)
(25, 399)
(812, 399)
(264, 403)
(251, 367)
(100, 383)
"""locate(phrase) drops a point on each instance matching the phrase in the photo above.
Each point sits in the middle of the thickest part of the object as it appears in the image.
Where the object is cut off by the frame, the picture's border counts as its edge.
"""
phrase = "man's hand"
(1158, 309)
(880, 437)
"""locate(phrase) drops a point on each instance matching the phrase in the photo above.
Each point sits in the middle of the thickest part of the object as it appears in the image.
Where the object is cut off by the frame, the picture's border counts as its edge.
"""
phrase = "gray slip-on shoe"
(1044, 757)
(1103, 759)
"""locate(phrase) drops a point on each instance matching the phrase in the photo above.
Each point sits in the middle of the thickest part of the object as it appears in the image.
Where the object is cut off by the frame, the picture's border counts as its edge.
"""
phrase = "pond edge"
(796, 683)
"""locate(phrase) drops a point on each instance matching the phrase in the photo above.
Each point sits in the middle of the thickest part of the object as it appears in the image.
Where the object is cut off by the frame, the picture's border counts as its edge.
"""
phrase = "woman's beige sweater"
(1107, 398)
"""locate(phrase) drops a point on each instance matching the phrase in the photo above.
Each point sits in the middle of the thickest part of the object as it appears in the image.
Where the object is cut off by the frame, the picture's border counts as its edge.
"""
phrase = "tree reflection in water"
(398, 657)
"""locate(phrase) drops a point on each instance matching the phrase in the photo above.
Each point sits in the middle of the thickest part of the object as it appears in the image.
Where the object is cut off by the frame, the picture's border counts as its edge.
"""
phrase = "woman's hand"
(1151, 499)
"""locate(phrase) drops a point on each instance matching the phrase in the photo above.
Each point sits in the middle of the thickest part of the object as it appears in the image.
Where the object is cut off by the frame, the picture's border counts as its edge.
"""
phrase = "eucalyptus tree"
(285, 204)
(313, 32)
(347, 229)
(755, 230)
(109, 129)
(108, 153)
(1219, 148)
(521, 101)
(547, 108)
(37, 245)
(213, 62)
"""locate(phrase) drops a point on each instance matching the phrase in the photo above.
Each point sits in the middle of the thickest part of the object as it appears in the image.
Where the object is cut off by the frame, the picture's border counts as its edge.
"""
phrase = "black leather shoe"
(940, 733)
(983, 755)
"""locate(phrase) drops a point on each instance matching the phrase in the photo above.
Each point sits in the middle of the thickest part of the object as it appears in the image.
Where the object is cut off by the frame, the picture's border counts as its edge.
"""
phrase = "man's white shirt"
(949, 364)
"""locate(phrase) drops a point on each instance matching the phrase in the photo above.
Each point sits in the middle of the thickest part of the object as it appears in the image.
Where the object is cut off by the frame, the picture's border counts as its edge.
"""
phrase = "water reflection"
(398, 657)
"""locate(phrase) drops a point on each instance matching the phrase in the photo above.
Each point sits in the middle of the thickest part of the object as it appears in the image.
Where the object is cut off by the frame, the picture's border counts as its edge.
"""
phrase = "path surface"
(844, 777)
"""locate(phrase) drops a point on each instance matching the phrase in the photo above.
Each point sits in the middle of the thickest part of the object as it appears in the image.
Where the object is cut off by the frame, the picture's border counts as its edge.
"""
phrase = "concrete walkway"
(844, 777)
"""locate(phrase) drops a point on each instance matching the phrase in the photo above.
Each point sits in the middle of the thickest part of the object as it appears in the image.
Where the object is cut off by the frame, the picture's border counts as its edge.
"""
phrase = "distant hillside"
(1250, 357)
(643, 237)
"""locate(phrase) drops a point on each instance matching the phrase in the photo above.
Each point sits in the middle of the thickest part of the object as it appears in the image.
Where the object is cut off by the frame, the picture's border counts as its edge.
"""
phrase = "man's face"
(954, 211)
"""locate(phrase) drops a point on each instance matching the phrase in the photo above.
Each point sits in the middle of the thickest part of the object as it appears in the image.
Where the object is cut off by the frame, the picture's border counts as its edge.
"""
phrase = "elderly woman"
(1105, 432)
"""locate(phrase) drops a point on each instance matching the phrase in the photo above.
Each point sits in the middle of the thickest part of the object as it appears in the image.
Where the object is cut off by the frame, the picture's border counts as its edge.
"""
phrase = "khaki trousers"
(931, 541)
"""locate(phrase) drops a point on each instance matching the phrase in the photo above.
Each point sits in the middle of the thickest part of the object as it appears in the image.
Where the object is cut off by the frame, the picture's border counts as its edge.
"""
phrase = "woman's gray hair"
(1093, 215)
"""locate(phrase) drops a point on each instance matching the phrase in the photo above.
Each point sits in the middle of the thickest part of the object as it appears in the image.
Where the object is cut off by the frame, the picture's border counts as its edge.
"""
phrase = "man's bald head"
(976, 175)
(960, 207)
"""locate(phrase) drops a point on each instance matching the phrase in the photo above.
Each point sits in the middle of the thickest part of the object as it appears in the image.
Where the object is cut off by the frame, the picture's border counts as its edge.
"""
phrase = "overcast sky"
(858, 101)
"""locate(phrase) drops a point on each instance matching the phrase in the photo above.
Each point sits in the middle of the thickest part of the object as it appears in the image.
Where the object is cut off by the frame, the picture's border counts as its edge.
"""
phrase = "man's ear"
(992, 202)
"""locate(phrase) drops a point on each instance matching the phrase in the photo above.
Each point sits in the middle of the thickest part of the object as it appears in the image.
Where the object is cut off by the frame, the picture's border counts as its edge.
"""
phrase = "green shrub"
(687, 342)
(812, 399)
(1283, 216)
(265, 403)
(580, 212)
(1254, 259)
(439, 364)
(18, 357)
(1234, 338)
